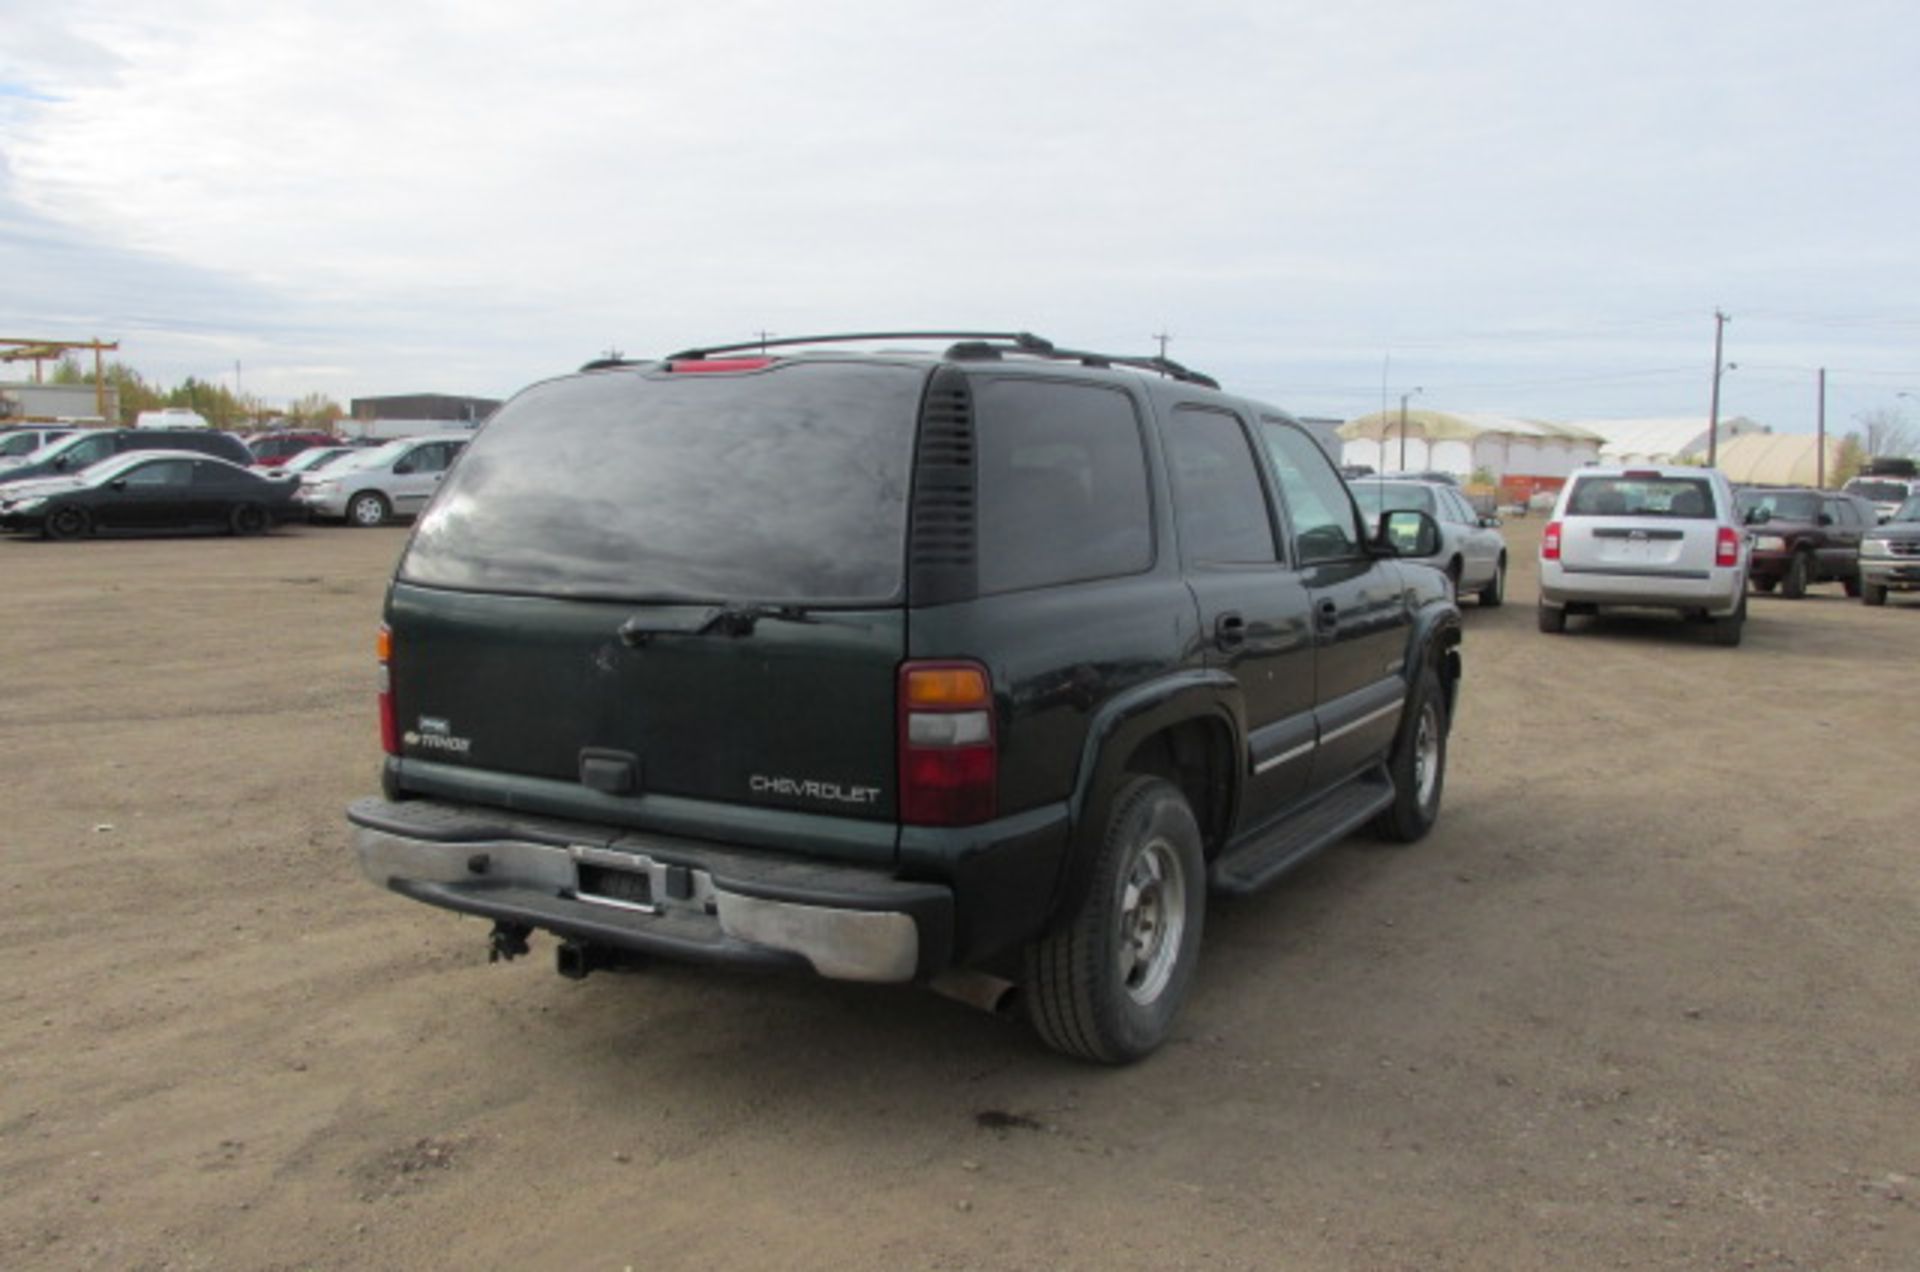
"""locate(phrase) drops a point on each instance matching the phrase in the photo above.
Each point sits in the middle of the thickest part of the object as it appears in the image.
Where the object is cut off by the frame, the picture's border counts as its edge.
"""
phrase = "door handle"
(1328, 614)
(1229, 629)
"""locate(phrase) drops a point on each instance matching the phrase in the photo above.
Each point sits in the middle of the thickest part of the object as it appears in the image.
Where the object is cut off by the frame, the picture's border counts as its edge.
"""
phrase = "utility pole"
(1720, 322)
(1820, 437)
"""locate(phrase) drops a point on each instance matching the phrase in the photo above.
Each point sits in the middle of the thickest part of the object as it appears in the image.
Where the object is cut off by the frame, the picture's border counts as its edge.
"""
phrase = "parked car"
(1472, 553)
(1890, 555)
(88, 446)
(1646, 538)
(270, 450)
(21, 441)
(1802, 537)
(371, 487)
(147, 490)
(171, 417)
(315, 458)
(1885, 493)
(968, 668)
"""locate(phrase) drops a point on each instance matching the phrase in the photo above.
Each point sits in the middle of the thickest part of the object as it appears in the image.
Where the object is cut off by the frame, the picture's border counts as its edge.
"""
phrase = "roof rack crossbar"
(1023, 340)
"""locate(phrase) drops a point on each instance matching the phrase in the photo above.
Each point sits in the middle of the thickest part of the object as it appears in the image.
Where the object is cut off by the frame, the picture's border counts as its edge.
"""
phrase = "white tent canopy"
(1663, 439)
(1463, 442)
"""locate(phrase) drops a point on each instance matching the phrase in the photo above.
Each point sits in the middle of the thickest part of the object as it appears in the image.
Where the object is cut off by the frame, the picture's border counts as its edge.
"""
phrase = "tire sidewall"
(1410, 818)
(1159, 812)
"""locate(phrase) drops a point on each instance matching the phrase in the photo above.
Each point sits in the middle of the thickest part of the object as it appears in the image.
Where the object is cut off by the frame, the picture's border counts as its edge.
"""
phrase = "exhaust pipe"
(986, 992)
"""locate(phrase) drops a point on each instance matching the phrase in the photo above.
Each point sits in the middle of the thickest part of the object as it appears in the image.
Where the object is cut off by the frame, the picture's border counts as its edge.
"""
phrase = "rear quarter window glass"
(1790, 505)
(1062, 484)
(1682, 498)
(787, 485)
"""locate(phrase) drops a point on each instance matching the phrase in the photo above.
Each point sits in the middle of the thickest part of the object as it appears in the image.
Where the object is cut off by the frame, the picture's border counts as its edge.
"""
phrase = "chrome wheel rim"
(1426, 755)
(368, 512)
(1153, 918)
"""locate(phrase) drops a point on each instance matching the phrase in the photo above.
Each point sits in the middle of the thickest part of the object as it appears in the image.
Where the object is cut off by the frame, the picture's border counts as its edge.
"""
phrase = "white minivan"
(1646, 538)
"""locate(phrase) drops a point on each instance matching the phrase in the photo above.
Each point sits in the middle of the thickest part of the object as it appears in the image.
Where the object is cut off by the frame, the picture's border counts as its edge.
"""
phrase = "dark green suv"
(976, 667)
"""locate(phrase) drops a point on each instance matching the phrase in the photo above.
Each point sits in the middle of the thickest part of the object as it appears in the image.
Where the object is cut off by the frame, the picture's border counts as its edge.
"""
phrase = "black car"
(147, 490)
(88, 446)
(971, 667)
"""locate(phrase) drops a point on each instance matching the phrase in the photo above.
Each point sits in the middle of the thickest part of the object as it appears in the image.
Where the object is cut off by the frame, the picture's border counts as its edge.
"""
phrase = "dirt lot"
(1649, 997)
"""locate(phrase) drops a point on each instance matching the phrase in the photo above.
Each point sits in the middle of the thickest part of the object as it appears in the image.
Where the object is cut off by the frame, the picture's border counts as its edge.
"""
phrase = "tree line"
(222, 407)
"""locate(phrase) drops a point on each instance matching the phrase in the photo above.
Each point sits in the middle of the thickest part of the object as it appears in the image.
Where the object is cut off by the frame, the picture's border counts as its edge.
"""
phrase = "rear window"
(1679, 497)
(787, 486)
(1375, 497)
(1878, 491)
(1781, 506)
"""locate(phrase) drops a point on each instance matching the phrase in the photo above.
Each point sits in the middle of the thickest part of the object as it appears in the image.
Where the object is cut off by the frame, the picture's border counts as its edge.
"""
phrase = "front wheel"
(1495, 592)
(1418, 765)
(68, 522)
(368, 508)
(1873, 594)
(1108, 982)
(248, 519)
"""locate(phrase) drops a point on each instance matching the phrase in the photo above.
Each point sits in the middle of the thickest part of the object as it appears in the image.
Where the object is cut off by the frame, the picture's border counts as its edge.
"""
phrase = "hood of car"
(1904, 530)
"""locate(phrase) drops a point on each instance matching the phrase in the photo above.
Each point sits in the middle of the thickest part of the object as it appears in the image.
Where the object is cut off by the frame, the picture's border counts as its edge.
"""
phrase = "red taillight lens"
(949, 765)
(1727, 547)
(1550, 542)
(389, 726)
(713, 365)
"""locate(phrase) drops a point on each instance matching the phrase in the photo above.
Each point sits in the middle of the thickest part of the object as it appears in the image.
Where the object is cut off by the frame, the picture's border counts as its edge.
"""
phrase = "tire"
(1852, 584)
(1418, 765)
(1108, 982)
(1726, 631)
(1553, 618)
(1765, 585)
(1495, 592)
(248, 519)
(1453, 579)
(1873, 594)
(367, 509)
(1799, 575)
(67, 522)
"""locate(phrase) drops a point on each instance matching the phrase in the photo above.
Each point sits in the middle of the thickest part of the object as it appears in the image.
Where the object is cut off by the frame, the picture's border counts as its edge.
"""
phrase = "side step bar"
(1254, 863)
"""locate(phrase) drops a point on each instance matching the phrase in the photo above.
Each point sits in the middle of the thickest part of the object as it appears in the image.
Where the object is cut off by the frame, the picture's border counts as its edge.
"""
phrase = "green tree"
(316, 410)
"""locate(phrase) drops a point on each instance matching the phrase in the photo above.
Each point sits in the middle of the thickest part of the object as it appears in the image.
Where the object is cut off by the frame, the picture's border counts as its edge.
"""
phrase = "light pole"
(1720, 322)
(1403, 425)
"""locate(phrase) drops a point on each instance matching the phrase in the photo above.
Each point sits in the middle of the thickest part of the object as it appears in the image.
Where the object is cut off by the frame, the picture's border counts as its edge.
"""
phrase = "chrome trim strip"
(1392, 708)
(1276, 761)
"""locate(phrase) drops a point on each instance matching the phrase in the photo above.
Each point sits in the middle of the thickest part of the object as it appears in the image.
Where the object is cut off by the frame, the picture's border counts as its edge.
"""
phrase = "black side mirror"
(1759, 516)
(1405, 532)
(62, 462)
(118, 483)
(1491, 523)
(1826, 518)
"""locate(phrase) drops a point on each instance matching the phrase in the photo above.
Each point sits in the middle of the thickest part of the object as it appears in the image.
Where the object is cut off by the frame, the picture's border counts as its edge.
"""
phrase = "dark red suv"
(1802, 537)
(270, 450)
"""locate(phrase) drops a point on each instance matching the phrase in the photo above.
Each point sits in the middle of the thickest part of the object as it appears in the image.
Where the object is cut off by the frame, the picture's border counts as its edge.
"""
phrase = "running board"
(1251, 866)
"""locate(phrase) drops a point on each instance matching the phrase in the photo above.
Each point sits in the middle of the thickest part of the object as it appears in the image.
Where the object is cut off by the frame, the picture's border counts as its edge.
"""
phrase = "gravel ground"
(1648, 997)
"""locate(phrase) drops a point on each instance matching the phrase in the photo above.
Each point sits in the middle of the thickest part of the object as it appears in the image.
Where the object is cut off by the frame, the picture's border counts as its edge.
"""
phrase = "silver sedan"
(1472, 552)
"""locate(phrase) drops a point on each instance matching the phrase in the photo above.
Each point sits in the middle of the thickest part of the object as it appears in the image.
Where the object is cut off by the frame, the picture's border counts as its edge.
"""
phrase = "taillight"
(389, 727)
(1550, 542)
(948, 764)
(1727, 547)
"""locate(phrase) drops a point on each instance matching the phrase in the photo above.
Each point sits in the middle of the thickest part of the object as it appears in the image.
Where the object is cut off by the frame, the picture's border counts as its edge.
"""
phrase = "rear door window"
(1062, 484)
(1681, 498)
(1220, 504)
(781, 486)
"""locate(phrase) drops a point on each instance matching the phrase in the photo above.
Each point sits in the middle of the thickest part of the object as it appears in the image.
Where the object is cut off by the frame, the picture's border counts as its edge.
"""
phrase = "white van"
(171, 417)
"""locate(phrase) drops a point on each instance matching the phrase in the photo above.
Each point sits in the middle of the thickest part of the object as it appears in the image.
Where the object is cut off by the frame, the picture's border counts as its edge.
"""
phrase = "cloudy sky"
(1522, 207)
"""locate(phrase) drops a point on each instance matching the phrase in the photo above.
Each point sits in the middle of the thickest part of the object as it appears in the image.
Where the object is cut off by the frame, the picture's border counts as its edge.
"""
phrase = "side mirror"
(1491, 523)
(1826, 518)
(1759, 516)
(62, 462)
(118, 483)
(1405, 532)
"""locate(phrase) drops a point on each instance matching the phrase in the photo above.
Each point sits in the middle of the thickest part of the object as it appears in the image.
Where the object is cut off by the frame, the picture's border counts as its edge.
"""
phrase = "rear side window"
(784, 486)
(1221, 506)
(1685, 498)
(1062, 484)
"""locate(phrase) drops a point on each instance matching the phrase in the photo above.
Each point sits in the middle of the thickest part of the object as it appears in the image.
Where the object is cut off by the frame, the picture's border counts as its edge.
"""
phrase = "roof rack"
(980, 345)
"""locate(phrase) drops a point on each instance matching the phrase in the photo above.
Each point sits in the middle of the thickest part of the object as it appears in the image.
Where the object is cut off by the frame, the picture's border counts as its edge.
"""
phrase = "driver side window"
(1325, 525)
(166, 472)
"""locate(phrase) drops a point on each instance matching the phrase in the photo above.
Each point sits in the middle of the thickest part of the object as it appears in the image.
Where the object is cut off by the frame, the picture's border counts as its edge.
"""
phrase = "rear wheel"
(68, 522)
(1852, 583)
(1495, 591)
(1873, 593)
(1799, 574)
(248, 519)
(1418, 765)
(368, 508)
(1553, 618)
(1727, 631)
(1108, 982)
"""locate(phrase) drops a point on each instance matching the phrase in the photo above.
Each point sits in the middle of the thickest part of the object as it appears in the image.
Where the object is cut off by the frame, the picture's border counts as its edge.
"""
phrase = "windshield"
(1792, 505)
(789, 485)
(314, 458)
(1878, 491)
(1375, 497)
(80, 449)
(1632, 496)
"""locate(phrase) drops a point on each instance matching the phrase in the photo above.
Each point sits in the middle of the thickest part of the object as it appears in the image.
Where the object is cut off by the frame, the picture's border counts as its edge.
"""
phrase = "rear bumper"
(676, 898)
(1718, 591)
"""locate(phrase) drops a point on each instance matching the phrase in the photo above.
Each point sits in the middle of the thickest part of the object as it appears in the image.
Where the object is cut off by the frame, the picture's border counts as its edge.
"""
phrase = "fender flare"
(1116, 730)
(1435, 639)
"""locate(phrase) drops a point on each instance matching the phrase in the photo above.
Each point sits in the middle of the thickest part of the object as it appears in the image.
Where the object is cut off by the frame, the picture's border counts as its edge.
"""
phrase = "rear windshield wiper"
(715, 620)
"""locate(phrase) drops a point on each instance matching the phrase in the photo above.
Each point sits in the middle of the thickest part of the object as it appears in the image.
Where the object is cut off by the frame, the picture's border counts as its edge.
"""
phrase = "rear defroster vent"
(941, 555)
